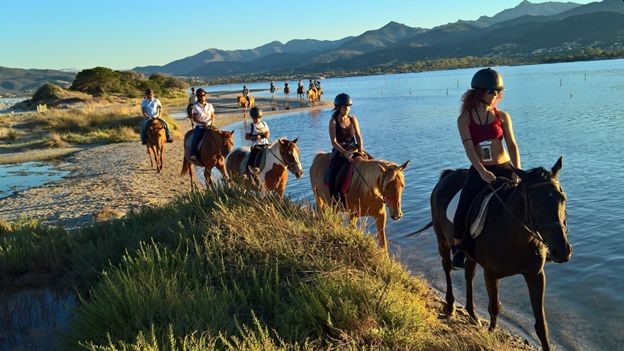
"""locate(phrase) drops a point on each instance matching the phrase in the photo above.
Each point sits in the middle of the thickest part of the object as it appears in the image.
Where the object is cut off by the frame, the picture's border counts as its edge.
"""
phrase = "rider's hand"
(515, 178)
(347, 154)
(487, 176)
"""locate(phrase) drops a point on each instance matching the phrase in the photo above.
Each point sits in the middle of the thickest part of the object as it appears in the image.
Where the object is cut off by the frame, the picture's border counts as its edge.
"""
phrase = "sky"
(122, 34)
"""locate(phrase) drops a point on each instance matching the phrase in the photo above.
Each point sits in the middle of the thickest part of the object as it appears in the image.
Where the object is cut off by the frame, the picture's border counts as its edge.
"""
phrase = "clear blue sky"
(122, 34)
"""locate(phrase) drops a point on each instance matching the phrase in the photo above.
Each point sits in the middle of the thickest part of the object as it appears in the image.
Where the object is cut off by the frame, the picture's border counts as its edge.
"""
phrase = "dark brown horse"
(528, 230)
(215, 147)
(156, 140)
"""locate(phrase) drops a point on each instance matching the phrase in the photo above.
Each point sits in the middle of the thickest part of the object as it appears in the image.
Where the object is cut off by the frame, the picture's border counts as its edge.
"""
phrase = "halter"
(379, 196)
(528, 222)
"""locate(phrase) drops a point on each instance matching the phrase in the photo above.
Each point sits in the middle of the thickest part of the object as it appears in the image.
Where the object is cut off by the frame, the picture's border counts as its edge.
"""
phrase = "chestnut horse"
(375, 183)
(156, 140)
(528, 230)
(245, 103)
(282, 155)
(314, 95)
(214, 149)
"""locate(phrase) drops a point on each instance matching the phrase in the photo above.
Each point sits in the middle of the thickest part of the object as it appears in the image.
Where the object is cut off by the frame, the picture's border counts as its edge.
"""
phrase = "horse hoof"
(475, 321)
(449, 310)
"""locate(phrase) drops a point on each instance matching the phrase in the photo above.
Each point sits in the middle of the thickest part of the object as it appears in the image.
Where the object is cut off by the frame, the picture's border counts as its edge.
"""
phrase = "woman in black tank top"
(344, 133)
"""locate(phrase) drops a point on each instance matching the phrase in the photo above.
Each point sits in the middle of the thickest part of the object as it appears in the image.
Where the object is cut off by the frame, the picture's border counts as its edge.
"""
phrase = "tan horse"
(314, 95)
(375, 183)
(282, 155)
(245, 103)
(214, 149)
(156, 140)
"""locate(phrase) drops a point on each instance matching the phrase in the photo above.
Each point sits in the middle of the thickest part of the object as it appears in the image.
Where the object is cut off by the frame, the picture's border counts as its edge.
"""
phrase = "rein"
(281, 160)
(528, 223)
(379, 196)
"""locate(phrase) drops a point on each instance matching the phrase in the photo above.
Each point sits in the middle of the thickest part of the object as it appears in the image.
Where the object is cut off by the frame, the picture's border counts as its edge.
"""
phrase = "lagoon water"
(569, 109)
(18, 177)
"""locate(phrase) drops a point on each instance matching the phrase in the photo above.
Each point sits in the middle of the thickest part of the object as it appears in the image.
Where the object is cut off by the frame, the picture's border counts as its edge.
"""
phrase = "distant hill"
(389, 44)
(17, 80)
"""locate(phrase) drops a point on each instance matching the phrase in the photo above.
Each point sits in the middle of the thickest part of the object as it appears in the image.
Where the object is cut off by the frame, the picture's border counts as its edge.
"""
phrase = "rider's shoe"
(143, 142)
(193, 158)
(459, 257)
(170, 140)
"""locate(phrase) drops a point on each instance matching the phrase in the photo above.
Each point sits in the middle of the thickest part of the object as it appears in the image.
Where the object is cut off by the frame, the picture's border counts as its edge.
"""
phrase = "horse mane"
(536, 175)
(366, 177)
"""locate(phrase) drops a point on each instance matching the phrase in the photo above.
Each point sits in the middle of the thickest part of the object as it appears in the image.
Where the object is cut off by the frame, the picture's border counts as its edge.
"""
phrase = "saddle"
(188, 140)
(345, 174)
(483, 208)
(259, 162)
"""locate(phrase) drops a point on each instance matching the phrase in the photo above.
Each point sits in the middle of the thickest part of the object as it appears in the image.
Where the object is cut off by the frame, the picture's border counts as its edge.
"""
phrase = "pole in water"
(446, 91)
(570, 93)
(458, 83)
(560, 82)
(586, 76)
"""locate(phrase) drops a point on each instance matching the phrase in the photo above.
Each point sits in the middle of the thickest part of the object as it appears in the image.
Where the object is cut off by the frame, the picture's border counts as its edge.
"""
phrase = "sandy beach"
(111, 180)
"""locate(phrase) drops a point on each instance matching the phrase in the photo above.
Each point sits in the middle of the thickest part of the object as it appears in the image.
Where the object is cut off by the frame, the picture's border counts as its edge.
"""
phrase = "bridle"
(282, 161)
(528, 222)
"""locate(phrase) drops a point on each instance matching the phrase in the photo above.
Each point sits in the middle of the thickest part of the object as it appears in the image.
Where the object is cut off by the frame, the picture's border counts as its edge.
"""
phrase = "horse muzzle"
(560, 256)
(396, 216)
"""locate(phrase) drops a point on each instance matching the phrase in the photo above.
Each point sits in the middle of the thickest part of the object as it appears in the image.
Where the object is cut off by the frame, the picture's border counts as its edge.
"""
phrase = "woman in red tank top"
(482, 129)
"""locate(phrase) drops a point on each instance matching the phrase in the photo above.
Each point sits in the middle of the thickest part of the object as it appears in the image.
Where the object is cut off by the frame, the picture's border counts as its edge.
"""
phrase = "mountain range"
(512, 32)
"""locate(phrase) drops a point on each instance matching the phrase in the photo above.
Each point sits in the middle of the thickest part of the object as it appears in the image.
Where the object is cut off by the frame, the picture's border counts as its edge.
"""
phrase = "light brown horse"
(214, 149)
(375, 184)
(528, 230)
(156, 140)
(245, 102)
(314, 95)
(282, 155)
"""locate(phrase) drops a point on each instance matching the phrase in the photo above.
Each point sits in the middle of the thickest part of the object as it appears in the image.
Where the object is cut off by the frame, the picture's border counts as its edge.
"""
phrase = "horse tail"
(186, 167)
(445, 173)
(419, 231)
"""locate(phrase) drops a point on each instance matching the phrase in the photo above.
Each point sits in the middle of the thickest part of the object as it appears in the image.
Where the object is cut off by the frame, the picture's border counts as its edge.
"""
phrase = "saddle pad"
(477, 225)
(452, 206)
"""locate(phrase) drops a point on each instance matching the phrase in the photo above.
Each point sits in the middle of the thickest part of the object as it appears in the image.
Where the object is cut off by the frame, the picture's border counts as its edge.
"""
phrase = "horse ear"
(295, 141)
(404, 166)
(383, 169)
(281, 141)
(232, 132)
(557, 167)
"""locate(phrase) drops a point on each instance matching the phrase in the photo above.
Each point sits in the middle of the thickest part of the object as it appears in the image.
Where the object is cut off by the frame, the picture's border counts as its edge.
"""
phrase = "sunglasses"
(493, 91)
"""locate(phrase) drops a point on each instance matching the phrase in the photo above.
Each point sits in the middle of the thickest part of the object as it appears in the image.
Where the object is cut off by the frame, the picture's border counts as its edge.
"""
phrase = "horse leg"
(161, 153)
(494, 306)
(469, 273)
(537, 285)
(207, 176)
(380, 222)
(149, 156)
(445, 252)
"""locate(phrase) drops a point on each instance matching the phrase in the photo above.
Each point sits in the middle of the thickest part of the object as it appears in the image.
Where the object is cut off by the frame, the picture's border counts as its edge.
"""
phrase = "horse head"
(156, 125)
(545, 210)
(227, 142)
(290, 156)
(392, 184)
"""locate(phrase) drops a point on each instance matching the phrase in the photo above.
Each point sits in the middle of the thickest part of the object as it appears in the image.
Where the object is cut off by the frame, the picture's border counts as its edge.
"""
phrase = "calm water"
(18, 177)
(571, 109)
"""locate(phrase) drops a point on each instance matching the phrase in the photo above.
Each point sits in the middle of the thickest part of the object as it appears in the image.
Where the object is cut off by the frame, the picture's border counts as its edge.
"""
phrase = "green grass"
(226, 270)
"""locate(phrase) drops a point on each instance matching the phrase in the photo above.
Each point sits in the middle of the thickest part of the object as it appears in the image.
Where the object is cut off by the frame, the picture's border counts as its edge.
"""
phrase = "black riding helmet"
(342, 99)
(255, 112)
(487, 79)
(199, 91)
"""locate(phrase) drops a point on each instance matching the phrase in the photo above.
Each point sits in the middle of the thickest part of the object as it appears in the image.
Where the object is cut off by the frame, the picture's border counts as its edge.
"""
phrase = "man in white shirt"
(203, 114)
(191, 101)
(258, 133)
(152, 109)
